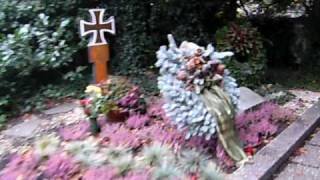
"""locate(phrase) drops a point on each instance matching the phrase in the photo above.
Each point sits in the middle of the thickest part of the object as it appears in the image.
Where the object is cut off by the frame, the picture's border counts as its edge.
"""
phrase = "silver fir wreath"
(181, 84)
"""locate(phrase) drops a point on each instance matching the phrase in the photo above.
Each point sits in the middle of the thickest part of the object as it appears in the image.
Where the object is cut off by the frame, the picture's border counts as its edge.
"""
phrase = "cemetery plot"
(123, 134)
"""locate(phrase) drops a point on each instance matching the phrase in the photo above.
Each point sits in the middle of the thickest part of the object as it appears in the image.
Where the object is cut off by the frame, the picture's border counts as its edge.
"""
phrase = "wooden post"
(98, 48)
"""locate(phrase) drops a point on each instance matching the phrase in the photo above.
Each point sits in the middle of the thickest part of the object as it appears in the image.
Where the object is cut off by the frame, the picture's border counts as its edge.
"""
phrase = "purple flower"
(138, 121)
(75, 132)
(130, 100)
(255, 125)
(223, 157)
(155, 109)
(120, 136)
(22, 167)
(102, 173)
(161, 133)
(61, 166)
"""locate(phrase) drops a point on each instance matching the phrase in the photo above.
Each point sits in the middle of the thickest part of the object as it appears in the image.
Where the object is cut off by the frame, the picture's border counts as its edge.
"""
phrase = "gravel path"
(21, 132)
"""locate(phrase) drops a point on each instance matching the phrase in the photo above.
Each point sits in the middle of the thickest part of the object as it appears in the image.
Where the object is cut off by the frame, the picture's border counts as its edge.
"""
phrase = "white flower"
(47, 145)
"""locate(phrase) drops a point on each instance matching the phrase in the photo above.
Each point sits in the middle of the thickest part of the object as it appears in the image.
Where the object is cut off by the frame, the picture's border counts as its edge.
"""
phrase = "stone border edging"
(267, 161)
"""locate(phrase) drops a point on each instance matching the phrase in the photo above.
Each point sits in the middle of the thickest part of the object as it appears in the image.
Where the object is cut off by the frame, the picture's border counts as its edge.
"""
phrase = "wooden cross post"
(98, 47)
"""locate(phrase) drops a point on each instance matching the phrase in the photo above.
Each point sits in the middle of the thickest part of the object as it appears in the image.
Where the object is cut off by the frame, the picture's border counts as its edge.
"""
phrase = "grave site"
(159, 90)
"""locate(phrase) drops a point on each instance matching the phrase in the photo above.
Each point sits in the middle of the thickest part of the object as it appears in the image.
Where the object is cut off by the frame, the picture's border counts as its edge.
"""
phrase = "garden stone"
(249, 99)
(64, 108)
(273, 155)
(315, 140)
(310, 157)
(25, 129)
(299, 172)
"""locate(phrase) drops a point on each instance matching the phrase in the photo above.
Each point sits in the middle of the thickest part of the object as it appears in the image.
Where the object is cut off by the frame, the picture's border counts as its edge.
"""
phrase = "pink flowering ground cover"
(121, 150)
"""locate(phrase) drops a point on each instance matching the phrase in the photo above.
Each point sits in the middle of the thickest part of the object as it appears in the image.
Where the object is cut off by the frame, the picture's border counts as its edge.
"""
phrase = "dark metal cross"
(97, 27)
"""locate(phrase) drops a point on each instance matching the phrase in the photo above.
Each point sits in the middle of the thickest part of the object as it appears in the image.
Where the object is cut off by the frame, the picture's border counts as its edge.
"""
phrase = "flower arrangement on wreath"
(201, 96)
(116, 101)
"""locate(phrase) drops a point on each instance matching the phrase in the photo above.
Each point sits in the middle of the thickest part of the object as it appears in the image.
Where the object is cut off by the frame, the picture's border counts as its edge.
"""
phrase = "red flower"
(249, 151)
(194, 177)
(87, 112)
(85, 102)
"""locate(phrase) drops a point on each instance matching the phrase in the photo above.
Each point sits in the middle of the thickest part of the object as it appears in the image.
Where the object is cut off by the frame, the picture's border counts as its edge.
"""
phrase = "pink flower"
(61, 166)
(75, 132)
(22, 167)
(102, 173)
(137, 121)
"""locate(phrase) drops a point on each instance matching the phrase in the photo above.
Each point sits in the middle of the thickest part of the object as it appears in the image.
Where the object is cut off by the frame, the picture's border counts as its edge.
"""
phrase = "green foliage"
(35, 37)
(34, 40)
(142, 27)
(248, 64)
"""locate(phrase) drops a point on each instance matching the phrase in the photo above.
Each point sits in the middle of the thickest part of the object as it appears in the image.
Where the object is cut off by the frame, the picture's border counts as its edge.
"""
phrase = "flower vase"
(95, 128)
(117, 116)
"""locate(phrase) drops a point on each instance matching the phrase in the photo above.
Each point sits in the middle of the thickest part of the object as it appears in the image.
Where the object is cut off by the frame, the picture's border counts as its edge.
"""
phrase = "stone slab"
(299, 172)
(315, 140)
(249, 99)
(310, 158)
(272, 156)
(24, 129)
(64, 108)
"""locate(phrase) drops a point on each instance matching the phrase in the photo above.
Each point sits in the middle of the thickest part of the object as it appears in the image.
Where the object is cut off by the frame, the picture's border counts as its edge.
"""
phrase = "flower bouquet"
(115, 101)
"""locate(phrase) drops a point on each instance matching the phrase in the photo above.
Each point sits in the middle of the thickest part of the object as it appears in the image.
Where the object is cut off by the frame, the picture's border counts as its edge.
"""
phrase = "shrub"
(246, 42)
(35, 36)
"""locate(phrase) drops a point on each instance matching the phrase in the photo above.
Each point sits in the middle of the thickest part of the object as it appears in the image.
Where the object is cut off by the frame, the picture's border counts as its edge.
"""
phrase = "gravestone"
(98, 47)
(248, 99)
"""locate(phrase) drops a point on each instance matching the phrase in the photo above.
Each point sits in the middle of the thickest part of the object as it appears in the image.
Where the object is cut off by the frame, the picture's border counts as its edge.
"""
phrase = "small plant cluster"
(116, 101)
(93, 159)
(21, 166)
(144, 147)
(77, 131)
(36, 37)
(258, 126)
(246, 42)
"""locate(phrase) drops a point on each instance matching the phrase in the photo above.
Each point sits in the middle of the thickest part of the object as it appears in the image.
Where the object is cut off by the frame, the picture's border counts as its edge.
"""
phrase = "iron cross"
(98, 46)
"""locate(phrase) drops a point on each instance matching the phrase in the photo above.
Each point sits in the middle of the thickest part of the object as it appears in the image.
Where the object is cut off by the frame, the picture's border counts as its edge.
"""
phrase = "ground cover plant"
(146, 145)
